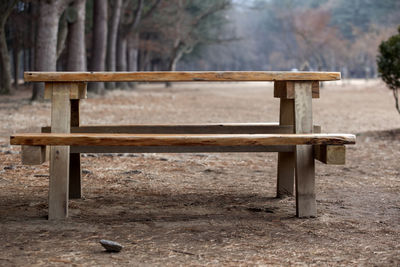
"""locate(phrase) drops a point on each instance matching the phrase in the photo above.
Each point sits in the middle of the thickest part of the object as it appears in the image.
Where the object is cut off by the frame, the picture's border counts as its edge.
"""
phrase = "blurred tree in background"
(101, 35)
(389, 65)
(5, 72)
(165, 35)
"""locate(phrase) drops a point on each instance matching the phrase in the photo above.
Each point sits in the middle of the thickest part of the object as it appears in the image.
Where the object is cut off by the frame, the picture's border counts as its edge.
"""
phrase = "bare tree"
(99, 42)
(186, 32)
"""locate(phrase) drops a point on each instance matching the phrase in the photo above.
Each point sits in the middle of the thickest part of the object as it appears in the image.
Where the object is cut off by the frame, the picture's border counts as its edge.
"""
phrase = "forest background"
(161, 35)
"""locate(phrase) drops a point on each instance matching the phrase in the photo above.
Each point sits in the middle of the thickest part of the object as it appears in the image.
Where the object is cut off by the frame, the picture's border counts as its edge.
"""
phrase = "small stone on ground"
(111, 246)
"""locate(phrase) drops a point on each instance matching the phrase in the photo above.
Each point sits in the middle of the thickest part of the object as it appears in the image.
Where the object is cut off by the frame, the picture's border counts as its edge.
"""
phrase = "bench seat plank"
(92, 139)
(180, 76)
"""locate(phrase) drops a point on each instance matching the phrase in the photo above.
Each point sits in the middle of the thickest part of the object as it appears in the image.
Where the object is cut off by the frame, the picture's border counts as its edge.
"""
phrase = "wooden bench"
(295, 138)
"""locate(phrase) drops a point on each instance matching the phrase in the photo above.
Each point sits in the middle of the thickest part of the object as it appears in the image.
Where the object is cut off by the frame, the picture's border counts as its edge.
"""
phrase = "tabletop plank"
(94, 139)
(180, 76)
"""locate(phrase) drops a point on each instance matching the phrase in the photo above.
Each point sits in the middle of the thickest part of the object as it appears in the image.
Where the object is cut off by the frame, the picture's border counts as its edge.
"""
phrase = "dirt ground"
(208, 209)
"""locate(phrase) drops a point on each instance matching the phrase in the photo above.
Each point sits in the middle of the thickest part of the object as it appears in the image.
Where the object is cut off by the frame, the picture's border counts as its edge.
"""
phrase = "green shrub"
(389, 64)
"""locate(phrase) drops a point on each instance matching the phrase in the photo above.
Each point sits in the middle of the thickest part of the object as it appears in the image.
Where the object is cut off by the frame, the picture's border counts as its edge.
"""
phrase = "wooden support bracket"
(78, 90)
(33, 155)
(330, 154)
(283, 89)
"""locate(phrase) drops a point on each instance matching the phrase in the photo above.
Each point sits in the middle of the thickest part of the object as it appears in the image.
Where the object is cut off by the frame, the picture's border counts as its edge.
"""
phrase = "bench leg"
(304, 157)
(75, 173)
(58, 191)
(305, 182)
(285, 177)
(59, 155)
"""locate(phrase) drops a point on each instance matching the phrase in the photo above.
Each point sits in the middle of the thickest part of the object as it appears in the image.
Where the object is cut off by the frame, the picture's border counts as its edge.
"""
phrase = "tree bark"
(32, 34)
(5, 75)
(175, 57)
(99, 42)
(62, 35)
(174, 61)
(5, 68)
(112, 39)
(396, 98)
(46, 39)
(122, 64)
(133, 53)
(124, 32)
(16, 57)
(76, 60)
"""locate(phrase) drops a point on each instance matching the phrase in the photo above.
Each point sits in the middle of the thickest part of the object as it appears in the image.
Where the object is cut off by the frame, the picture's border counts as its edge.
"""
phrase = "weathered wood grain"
(285, 89)
(330, 154)
(78, 90)
(219, 128)
(206, 76)
(304, 156)
(285, 177)
(59, 154)
(33, 155)
(76, 139)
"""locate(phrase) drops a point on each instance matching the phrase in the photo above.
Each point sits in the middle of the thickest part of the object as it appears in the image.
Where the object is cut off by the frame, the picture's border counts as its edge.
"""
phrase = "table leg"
(304, 158)
(59, 155)
(75, 172)
(285, 183)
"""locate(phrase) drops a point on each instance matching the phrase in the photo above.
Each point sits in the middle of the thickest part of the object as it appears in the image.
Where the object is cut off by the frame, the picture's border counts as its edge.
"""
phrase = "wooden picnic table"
(296, 139)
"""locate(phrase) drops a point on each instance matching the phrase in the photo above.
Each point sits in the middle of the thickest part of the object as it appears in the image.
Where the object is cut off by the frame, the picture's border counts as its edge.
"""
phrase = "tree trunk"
(46, 39)
(26, 63)
(5, 68)
(396, 98)
(172, 64)
(62, 35)
(112, 39)
(76, 60)
(176, 56)
(122, 64)
(133, 52)
(32, 34)
(125, 32)
(99, 42)
(16, 58)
